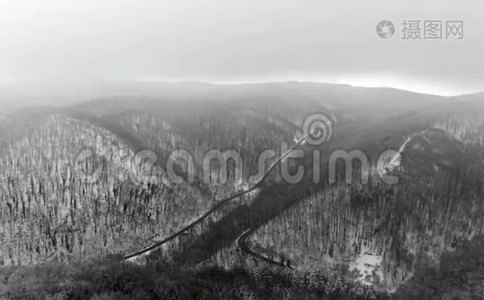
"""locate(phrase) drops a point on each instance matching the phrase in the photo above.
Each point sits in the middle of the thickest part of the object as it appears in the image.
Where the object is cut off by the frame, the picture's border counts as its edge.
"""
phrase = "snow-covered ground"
(367, 267)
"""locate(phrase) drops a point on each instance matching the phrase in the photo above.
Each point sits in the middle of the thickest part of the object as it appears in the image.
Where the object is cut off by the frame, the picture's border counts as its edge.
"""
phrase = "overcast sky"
(57, 41)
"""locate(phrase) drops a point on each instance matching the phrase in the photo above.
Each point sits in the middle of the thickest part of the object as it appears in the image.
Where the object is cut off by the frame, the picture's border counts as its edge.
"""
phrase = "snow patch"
(368, 268)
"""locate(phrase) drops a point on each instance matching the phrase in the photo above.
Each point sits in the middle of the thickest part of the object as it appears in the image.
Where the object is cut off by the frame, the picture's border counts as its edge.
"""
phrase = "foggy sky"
(67, 41)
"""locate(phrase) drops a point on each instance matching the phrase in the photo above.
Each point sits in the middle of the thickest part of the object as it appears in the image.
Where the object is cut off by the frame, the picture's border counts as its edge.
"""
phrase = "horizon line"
(375, 85)
(339, 83)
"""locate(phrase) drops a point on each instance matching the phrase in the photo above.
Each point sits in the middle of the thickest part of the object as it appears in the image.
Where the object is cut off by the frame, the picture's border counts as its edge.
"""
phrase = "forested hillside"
(84, 181)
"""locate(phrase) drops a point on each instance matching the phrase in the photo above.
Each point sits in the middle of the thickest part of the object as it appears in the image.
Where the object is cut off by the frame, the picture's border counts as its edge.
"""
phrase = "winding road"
(217, 206)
